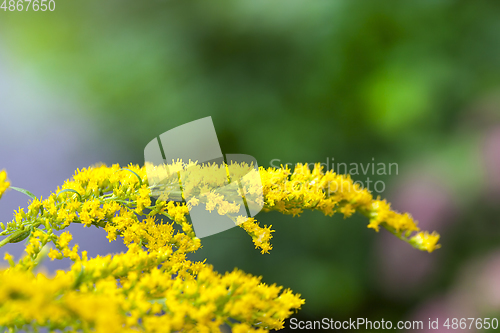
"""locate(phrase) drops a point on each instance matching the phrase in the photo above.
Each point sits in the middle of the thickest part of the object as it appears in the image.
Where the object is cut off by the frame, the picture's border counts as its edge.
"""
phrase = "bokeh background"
(413, 83)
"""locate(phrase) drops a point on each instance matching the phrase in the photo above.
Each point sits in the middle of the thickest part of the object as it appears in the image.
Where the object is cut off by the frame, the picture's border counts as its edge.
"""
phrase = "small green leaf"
(28, 193)
(79, 278)
(140, 180)
(72, 191)
(20, 236)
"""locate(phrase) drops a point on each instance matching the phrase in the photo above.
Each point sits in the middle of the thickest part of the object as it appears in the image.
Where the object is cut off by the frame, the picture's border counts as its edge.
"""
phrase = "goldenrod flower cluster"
(291, 192)
(153, 287)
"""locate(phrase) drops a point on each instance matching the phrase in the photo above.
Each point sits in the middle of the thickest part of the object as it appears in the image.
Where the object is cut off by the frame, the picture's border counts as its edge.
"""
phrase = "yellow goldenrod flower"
(153, 286)
(4, 182)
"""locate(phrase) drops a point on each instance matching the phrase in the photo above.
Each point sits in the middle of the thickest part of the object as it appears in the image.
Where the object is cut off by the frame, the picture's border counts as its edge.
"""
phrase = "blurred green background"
(413, 83)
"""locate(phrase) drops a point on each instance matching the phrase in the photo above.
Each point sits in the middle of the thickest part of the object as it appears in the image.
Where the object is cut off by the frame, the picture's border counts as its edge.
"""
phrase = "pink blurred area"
(475, 294)
(432, 205)
(491, 154)
(475, 291)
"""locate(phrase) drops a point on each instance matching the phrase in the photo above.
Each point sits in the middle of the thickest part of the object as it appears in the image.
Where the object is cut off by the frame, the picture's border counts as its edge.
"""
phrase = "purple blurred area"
(44, 138)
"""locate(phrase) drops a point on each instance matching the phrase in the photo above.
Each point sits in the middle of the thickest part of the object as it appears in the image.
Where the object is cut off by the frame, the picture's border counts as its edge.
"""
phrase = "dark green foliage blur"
(295, 81)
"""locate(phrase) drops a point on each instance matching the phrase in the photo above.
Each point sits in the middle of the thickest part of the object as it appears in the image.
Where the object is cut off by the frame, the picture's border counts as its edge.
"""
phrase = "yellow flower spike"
(425, 241)
(9, 258)
(292, 192)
